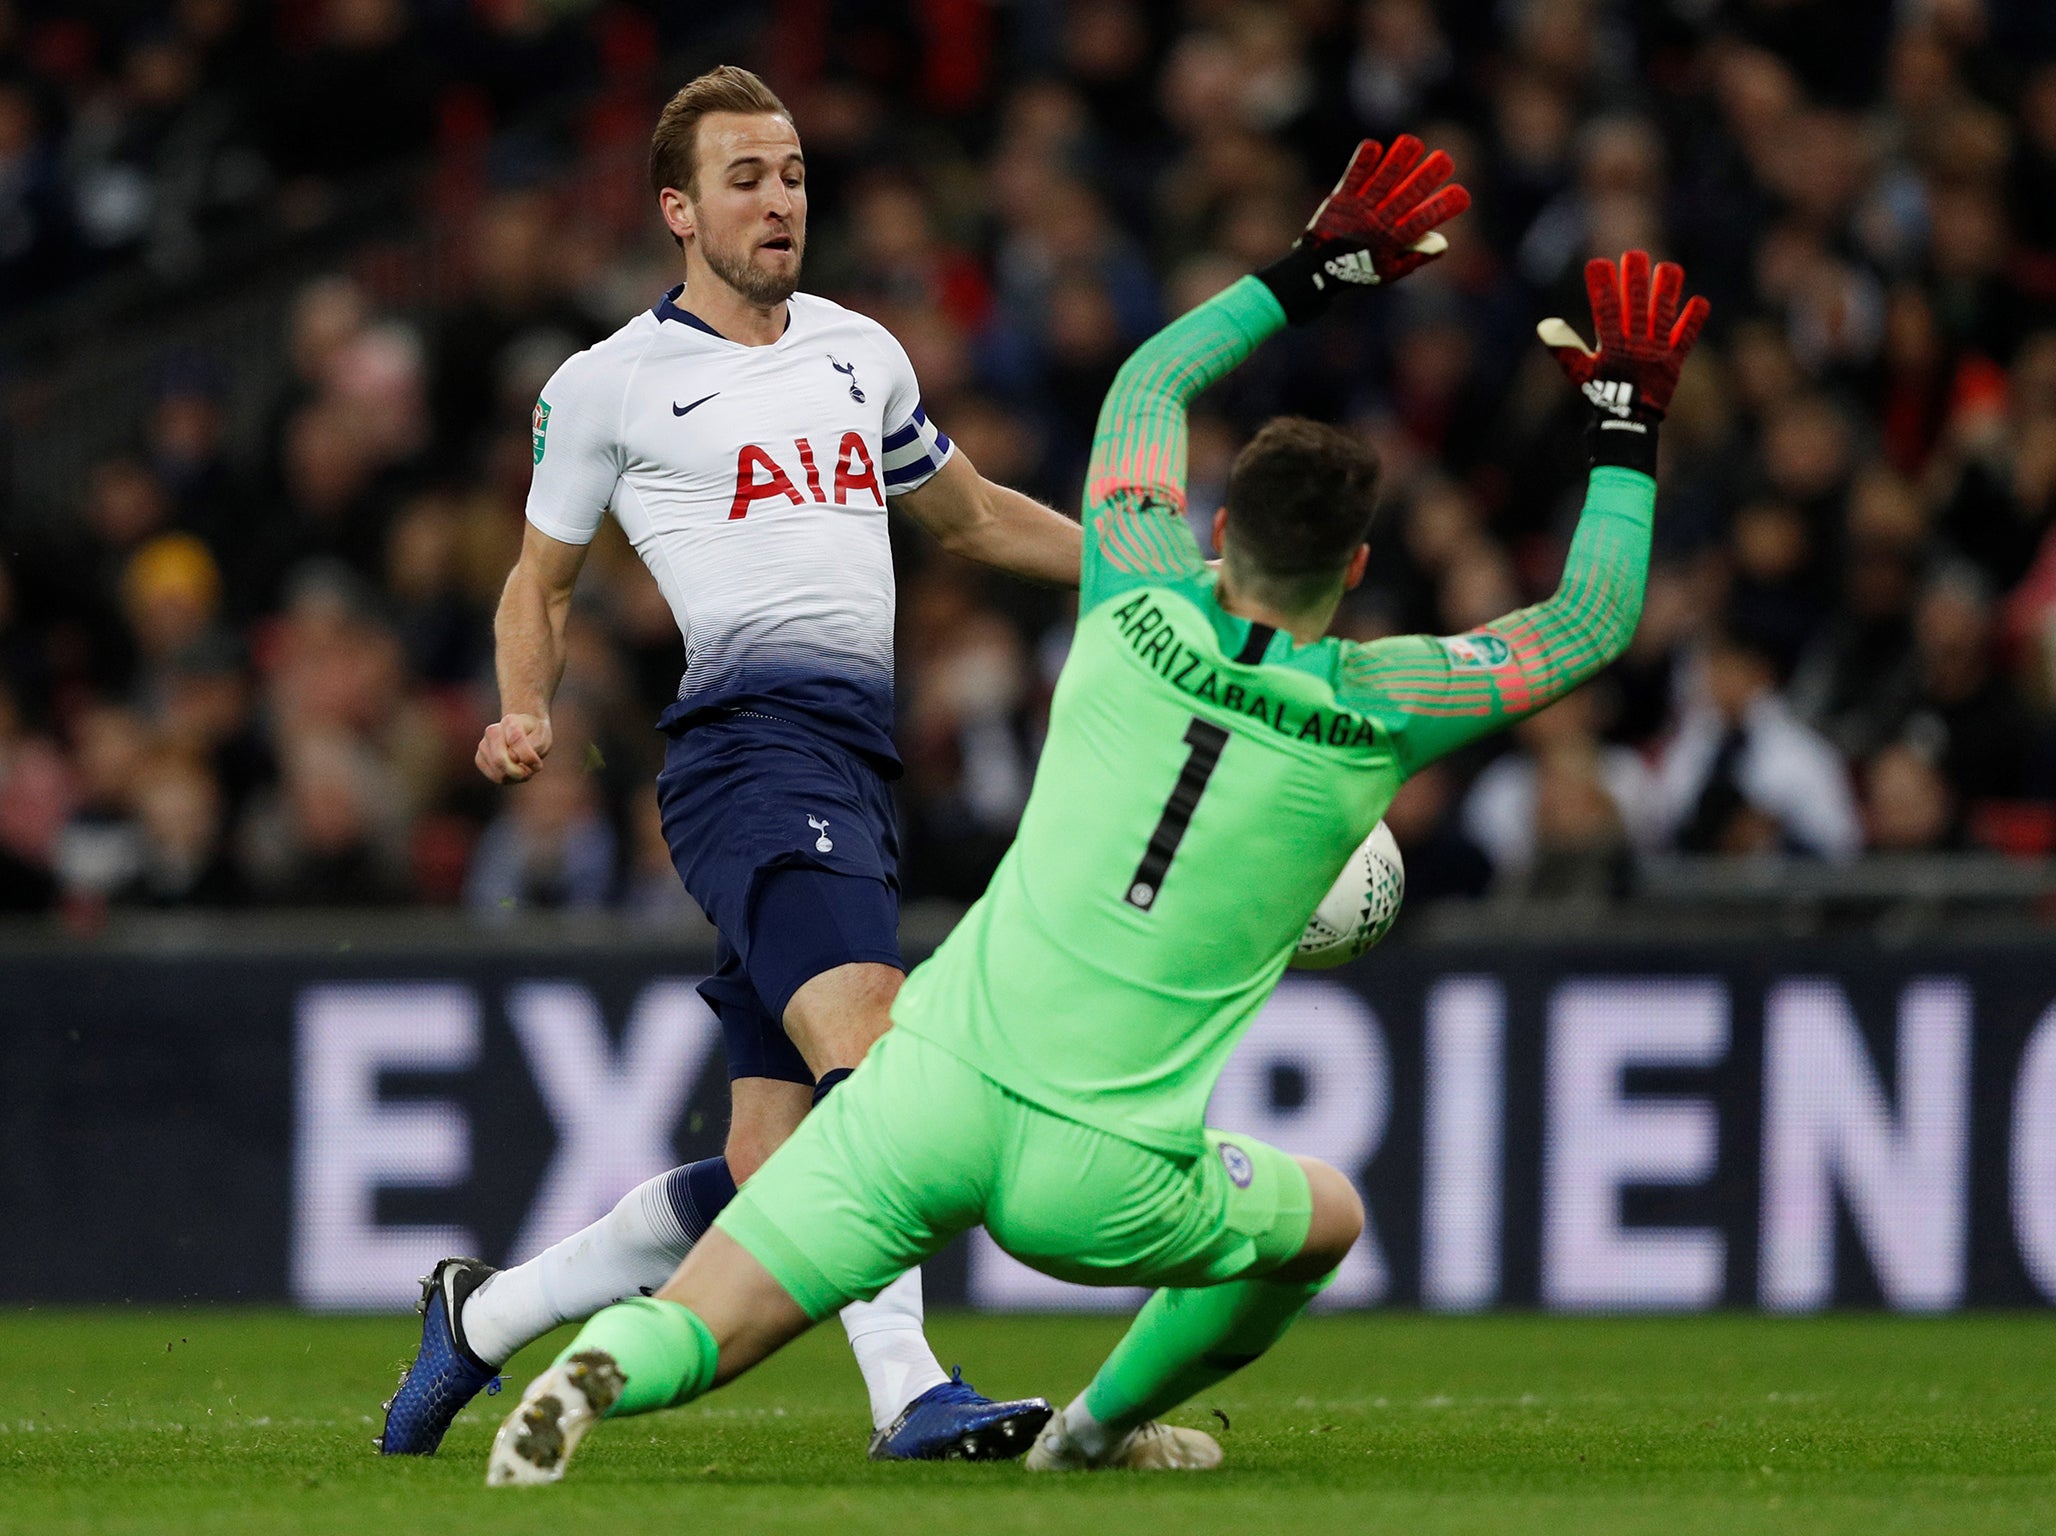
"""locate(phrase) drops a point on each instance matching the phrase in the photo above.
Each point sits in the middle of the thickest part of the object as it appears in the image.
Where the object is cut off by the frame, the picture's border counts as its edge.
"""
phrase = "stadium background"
(1724, 982)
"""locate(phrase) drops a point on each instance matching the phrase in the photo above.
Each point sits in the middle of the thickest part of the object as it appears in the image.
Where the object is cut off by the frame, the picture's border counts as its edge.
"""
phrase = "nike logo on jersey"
(680, 410)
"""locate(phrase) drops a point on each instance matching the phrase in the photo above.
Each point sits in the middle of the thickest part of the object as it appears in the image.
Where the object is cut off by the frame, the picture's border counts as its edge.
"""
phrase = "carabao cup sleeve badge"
(1477, 650)
(539, 424)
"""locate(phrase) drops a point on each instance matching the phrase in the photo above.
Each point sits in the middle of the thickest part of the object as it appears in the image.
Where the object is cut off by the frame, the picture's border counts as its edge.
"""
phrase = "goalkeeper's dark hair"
(1300, 498)
(675, 146)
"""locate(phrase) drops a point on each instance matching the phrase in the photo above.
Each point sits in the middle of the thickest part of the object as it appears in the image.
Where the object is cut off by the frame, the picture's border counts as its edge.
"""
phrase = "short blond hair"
(675, 148)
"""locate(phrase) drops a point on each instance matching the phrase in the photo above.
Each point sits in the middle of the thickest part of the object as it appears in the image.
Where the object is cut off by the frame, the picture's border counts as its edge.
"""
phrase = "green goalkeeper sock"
(662, 1347)
(1181, 1343)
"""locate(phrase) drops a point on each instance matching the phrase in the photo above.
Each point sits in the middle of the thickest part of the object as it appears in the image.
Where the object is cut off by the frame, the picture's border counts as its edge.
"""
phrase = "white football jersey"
(753, 482)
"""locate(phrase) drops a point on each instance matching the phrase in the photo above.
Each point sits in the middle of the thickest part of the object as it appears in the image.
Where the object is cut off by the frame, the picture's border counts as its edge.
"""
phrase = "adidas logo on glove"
(1617, 398)
(1612, 395)
(1352, 267)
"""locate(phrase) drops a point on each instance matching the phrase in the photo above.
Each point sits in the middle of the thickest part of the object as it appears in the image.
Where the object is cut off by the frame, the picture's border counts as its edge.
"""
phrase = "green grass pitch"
(125, 1420)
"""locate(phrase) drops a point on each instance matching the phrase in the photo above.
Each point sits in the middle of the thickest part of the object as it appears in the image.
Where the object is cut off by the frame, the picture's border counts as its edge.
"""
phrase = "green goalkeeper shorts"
(918, 1146)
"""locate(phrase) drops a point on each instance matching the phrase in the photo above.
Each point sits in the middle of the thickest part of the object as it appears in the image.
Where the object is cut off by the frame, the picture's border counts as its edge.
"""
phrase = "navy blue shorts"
(790, 845)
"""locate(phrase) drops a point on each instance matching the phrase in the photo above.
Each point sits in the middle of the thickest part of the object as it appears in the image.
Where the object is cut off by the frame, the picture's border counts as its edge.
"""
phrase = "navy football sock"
(699, 1192)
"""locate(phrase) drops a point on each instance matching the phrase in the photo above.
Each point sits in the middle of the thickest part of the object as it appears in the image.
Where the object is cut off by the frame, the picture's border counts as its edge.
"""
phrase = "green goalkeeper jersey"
(1205, 777)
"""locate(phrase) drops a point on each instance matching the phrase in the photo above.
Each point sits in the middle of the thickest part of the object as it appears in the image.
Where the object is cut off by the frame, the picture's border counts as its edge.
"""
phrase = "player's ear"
(1221, 531)
(1353, 573)
(676, 208)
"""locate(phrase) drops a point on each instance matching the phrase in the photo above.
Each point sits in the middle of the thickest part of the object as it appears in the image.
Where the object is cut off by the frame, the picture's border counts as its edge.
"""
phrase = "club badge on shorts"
(1241, 1171)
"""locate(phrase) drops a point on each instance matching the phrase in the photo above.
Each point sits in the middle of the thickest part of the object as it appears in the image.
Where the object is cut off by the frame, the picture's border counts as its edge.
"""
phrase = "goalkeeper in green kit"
(1212, 760)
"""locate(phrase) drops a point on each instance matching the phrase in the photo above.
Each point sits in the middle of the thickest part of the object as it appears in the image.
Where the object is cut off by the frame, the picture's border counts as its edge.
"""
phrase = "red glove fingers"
(1377, 225)
(1603, 288)
(1439, 209)
(1385, 178)
(1363, 165)
(1690, 324)
(1635, 287)
(1643, 336)
(1663, 303)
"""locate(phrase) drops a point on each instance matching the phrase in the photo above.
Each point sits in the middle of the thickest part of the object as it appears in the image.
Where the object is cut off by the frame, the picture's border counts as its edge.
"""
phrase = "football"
(1359, 908)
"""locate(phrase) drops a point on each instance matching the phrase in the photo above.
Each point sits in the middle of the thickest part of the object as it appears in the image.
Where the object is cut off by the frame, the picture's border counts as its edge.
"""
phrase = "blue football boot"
(445, 1374)
(953, 1421)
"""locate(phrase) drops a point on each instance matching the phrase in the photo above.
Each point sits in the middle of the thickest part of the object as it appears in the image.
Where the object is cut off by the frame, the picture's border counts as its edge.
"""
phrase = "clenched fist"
(513, 748)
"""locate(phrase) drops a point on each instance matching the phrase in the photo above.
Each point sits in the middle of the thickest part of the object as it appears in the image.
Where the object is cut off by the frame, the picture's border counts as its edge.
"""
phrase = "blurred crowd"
(250, 664)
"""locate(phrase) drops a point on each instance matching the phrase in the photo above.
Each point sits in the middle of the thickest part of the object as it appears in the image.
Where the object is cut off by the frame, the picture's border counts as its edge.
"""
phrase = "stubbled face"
(748, 218)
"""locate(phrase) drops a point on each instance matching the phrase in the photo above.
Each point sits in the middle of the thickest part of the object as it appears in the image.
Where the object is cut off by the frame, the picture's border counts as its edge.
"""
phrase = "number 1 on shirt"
(1206, 741)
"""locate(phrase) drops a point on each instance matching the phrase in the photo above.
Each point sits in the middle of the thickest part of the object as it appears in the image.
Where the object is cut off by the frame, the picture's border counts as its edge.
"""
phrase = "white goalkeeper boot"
(535, 1443)
(1150, 1447)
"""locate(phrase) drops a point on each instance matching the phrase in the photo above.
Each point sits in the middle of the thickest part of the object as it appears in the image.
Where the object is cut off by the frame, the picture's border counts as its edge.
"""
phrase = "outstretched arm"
(1139, 448)
(1449, 692)
(1377, 225)
(994, 525)
(1445, 693)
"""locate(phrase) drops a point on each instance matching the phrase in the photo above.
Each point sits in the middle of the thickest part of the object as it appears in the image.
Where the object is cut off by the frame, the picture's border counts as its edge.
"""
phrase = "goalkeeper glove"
(1643, 341)
(1375, 227)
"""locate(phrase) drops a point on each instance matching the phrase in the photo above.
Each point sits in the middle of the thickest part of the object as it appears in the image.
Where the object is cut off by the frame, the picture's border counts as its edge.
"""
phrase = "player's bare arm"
(995, 525)
(528, 655)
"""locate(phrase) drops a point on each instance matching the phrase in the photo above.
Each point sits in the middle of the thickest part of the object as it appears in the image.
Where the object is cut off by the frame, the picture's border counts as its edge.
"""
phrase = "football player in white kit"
(748, 439)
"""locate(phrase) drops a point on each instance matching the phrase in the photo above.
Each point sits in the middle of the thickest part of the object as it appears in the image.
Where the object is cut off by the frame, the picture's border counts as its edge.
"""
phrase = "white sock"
(892, 1352)
(637, 1244)
(1087, 1433)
